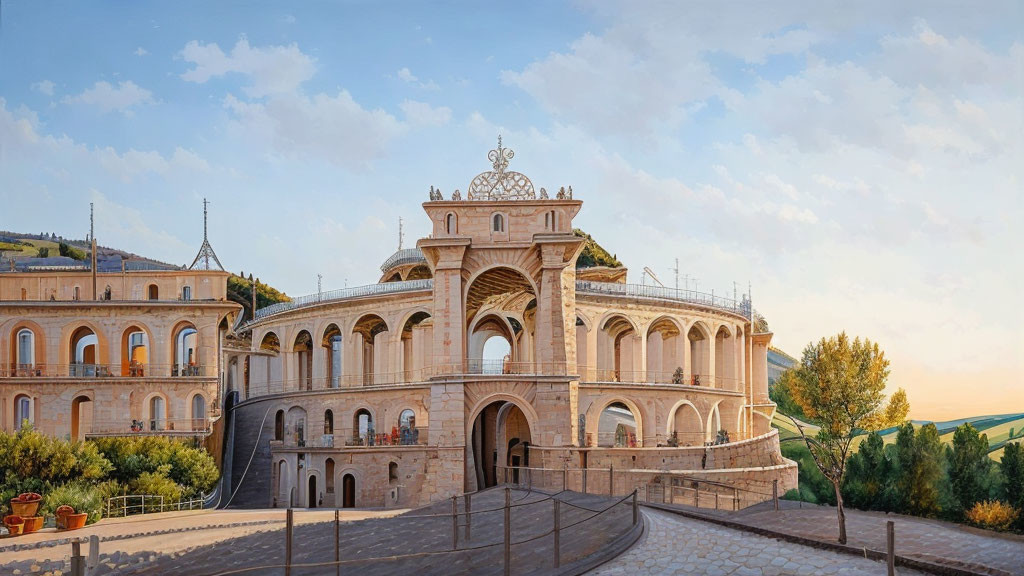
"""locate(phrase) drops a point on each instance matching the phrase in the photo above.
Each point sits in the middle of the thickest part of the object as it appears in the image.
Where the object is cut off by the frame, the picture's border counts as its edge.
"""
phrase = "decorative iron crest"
(499, 184)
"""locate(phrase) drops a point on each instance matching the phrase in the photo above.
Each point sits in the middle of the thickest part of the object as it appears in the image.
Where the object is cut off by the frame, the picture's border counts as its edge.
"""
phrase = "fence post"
(108, 507)
(508, 532)
(455, 523)
(288, 527)
(696, 494)
(635, 509)
(611, 480)
(716, 499)
(77, 560)
(124, 505)
(558, 559)
(890, 547)
(671, 492)
(94, 552)
(584, 480)
(735, 499)
(469, 507)
(775, 493)
(143, 503)
(337, 544)
(565, 477)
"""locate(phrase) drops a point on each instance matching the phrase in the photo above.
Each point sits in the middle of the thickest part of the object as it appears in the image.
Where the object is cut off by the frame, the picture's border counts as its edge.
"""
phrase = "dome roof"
(402, 257)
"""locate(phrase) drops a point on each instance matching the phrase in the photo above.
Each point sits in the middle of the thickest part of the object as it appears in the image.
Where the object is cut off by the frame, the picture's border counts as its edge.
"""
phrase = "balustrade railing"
(295, 437)
(406, 256)
(132, 504)
(88, 370)
(741, 307)
(345, 293)
(156, 426)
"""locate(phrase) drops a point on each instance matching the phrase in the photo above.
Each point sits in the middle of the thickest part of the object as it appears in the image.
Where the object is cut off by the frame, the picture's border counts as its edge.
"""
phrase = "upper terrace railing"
(131, 370)
(345, 293)
(406, 256)
(741, 307)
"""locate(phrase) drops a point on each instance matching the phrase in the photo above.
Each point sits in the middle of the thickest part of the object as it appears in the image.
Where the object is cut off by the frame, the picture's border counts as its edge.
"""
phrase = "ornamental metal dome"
(499, 184)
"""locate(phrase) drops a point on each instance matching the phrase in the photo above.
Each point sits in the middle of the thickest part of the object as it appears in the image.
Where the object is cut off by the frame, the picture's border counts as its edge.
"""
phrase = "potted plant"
(61, 514)
(26, 504)
(73, 505)
(32, 524)
(75, 521)
(15, 524)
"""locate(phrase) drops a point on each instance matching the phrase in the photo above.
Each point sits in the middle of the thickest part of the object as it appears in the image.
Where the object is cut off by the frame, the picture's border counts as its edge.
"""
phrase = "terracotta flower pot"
(15, 524)
(33, 523)
(60, 514)
(24, 509)
(75, 521)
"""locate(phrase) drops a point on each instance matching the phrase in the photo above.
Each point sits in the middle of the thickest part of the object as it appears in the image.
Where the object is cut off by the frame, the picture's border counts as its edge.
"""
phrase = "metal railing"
(406, 256)
(344, 294)
(741, 307)
(153, 426)
(133, 504)
(130, 370)
(294, 437)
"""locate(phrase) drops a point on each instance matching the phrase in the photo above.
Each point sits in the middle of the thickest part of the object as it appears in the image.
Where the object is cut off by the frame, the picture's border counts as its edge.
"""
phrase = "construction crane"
(649, 272)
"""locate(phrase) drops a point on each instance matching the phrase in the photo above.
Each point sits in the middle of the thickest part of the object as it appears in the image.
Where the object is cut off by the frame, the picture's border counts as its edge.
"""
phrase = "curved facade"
(393, 395)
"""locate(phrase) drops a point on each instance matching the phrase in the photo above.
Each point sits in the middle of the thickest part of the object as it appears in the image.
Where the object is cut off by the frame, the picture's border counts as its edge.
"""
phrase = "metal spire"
(206, 253)
(401, 233)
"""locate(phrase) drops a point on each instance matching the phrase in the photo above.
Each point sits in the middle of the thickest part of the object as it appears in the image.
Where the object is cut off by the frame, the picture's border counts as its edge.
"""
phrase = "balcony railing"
(344, 294)
(406, 256)
(294, 437)
(154, 426)
(83, 370)
(741, 307)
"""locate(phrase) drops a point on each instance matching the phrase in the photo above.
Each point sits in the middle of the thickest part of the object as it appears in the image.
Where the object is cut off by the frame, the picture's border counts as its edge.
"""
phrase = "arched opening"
(686, 427)
(348, 489)
(362, 427)
(81, 417)
(329, 481)
(617, 427)
(450, 223)
(157, 413)
(498, 223)
(617, 350)
(303, 349)
(407, 431)
(700, 354)
(396, 277)
(665, 352)
(392, 472)
(332, 346)
(582, 358)
(311, 493)
(186, 293)
(501, 439)
(419, 272)
(25, 352)
(76, 293)
(279, 425)
(295, 426)
(186, 352)
(725, 359)
(328, 421)
(283, 488)
(500, 306)
(199, 412)
(270, 342)
(369, 329)
(84, 353)
(267, 366)
(23, 411)
(714, 425)
(153, 292)
(134, 352)
(417, 336)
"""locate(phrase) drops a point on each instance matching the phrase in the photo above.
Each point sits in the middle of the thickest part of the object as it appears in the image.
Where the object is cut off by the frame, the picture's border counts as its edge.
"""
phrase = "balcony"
(153, 427)
(347, 438)
(83, 370)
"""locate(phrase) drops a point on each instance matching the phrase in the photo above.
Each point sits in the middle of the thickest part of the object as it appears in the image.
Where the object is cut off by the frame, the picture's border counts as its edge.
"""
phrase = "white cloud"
(271, 70)
(140, 51)
(423, 114)
(44, 87)
(406, 75)
(107, 97)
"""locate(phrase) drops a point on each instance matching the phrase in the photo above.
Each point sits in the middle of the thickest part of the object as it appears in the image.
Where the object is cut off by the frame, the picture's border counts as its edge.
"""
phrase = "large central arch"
(502, 429)
(500, 303)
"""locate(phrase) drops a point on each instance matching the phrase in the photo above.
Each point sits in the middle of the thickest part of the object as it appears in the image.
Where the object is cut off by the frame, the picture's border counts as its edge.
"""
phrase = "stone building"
(391, 394)
(133, 351)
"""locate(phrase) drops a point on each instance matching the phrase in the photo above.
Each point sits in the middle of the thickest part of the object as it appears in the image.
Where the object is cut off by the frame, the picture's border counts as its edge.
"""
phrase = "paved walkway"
(921, 538)
(674, 544)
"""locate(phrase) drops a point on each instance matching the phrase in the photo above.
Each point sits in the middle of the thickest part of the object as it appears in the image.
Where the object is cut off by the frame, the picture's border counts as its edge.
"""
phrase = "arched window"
(22, 411)
(198, 412)
(186, 353)
(328, 422)
(392, 472)
(26, 348)
(76, 293)
(157, 413)
(186, 293)
(106, 293)
(154, 292)
(450, 226)
(362, 426)
(279, 425)
(84, 353)
(498, 222)
(136, 352)
(329, 472)
(407, 419)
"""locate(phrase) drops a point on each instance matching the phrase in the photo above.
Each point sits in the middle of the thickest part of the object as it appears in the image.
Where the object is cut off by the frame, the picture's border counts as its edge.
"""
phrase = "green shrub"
(81, 497)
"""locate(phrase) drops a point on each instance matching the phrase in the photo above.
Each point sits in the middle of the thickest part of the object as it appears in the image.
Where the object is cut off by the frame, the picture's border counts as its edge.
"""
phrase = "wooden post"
(288, 527)
(455, 523)
(469, 508)
(77, 560)
(696, 494)
(671, 492)
(775, 493)
(611, 480)
(735, 499)
(94, 552)
(635, 508)
(584, 480)
(716, 499)
(508, 532)
(557, 535)
(890, 547)
(337, 544)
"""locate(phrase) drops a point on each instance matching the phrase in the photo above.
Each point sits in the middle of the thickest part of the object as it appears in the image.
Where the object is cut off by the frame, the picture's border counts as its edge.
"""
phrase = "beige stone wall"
(130, 285)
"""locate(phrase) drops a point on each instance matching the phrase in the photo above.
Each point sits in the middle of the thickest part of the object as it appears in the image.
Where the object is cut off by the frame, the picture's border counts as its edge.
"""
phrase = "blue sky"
(859, 165)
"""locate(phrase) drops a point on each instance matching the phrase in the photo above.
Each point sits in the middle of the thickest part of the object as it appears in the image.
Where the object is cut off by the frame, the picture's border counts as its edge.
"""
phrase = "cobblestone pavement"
(677, 545)
(922, 538)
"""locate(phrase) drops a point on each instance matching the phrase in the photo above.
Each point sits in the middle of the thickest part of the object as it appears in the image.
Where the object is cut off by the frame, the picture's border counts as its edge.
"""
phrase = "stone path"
(677, 545)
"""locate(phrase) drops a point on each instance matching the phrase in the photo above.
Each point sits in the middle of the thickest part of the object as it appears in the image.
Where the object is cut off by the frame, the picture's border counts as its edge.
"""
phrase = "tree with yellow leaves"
(840, 385)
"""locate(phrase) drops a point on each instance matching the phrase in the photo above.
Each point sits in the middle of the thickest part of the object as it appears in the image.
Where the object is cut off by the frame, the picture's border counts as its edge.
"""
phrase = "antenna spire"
(401, 233)
(206, 253)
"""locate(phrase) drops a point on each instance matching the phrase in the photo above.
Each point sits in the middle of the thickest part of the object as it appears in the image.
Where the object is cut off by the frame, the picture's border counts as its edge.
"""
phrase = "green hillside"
(593, 254)
(240, 291)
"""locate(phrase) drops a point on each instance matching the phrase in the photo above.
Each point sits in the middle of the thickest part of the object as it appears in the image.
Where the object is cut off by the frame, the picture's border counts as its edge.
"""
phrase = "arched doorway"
(700, 354)
(84, 351)
(311, 494)
(81, 417)
(501, 308)
(373, 357)
(501, 439)
(685, 426)
(617, 427)
(332, 347)
(348, 490)
(416, 334)
(617, 350)
(303, 349)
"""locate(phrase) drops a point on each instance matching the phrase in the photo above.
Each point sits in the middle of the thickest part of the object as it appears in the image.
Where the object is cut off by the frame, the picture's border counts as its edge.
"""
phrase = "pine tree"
(1012, 467)
(968, 467)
